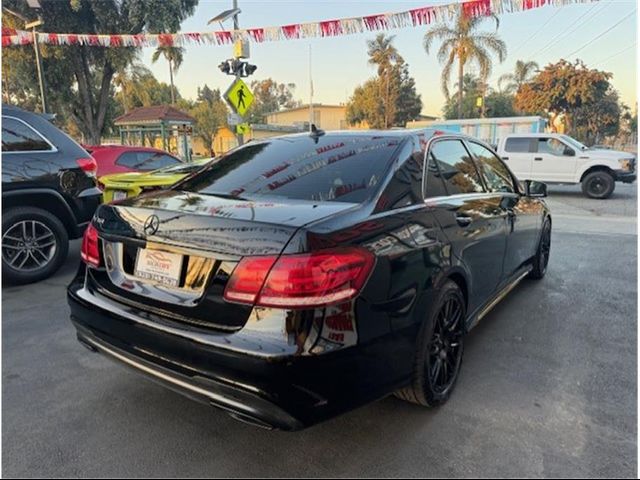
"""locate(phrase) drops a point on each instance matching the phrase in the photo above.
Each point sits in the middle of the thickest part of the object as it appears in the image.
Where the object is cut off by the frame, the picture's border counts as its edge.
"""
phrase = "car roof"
(534, 135)
(400, 133)
(124, 147)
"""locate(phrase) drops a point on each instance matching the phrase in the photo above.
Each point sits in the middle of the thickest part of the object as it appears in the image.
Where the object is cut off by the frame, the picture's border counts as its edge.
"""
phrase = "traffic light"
(225, 67)
(237, 68)
(249, 69)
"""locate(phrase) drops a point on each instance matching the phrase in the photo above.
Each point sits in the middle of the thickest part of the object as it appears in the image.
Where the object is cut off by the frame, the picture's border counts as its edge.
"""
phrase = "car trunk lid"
(172, 253)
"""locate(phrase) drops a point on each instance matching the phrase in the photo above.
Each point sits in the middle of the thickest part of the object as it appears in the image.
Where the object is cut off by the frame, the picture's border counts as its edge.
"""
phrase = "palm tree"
(383, 54)
(465, 44)
(131, 90)
(521, 75)
(174, 56)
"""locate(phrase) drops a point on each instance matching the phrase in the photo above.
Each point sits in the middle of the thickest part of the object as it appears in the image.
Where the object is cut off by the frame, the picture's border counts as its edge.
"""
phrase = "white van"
(557, 158)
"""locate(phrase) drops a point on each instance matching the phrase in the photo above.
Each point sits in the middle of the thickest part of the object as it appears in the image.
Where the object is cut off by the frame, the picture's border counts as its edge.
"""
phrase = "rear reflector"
(305, 280)
(88, 166)
(90, 251)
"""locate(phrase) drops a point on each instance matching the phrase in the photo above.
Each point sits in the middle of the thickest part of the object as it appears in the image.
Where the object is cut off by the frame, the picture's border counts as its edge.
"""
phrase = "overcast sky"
(339, 64)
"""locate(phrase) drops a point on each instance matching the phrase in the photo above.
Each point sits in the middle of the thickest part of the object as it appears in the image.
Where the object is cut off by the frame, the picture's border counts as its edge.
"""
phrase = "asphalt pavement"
(547, 389)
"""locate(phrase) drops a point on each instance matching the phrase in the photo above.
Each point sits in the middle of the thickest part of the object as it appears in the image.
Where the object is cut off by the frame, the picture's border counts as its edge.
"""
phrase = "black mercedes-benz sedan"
(302, 276)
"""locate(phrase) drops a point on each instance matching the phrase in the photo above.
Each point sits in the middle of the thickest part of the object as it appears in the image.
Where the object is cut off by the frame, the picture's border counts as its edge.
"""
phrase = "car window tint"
(496, 174)
(434, 183)
(153, 161)
(551, 146)
(518, 145)
(18, 137)
(128, 159)
(456, 167)
(146, 161)
(341, 169)
(405, 186)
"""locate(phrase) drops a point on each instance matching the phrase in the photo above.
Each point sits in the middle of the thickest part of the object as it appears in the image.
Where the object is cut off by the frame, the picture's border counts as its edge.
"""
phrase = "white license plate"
(119, 194)
(158, 266)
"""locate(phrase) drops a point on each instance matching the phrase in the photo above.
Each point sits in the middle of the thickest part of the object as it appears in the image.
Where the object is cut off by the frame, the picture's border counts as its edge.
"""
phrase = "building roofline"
(306, 107)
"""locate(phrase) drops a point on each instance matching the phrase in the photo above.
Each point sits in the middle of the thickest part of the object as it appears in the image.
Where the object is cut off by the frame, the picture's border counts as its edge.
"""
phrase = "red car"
(122, 158)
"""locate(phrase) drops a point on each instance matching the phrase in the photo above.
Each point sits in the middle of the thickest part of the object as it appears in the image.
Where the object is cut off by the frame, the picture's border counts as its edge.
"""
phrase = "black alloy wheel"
(445, 348)
(541, 259)
(439, 349)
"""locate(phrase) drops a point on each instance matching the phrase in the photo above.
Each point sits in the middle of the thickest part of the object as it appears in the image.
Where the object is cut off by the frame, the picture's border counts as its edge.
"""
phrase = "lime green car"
(123, 185)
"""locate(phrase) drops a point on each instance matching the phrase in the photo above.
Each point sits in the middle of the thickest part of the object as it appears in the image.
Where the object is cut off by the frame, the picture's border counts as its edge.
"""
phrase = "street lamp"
(35, 4)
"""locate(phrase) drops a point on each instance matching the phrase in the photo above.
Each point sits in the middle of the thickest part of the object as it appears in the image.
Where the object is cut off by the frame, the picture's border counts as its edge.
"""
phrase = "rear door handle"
(538, 159)
(463, 220)
(505, 158)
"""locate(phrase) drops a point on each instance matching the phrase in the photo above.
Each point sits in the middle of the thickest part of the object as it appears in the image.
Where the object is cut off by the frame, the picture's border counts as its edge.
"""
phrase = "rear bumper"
(283, 391)
(240, 404)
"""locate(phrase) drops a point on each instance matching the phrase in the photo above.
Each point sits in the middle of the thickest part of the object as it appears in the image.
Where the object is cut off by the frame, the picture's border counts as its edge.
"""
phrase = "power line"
(603, 33)
(536, 32)
(605, 60)
(577, 25)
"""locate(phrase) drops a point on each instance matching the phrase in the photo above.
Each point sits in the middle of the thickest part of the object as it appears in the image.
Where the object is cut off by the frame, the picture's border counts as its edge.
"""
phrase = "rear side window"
(434, 183)
(146, 161)
(340, 169)
(19, 137)
(518, 145)
(405, 187)
(456, 167)
(496, 174)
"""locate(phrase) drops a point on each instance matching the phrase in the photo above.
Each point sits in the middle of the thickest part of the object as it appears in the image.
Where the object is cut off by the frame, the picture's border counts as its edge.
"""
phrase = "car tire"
(431, 346)
(598, 184)
(541, 258)
(35, 244)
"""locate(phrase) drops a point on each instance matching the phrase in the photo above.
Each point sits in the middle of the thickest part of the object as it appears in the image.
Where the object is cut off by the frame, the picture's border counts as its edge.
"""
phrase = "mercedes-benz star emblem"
(151, 225)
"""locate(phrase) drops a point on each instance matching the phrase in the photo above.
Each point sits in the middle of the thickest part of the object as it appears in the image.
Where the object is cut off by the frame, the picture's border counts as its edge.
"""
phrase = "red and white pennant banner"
(329, 28)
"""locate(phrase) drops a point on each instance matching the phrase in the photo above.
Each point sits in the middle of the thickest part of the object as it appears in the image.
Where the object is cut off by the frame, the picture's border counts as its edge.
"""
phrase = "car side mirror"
(569, 152)
(535, 189)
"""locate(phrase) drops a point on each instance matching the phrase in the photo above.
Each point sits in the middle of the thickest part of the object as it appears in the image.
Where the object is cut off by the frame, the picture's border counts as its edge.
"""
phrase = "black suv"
(49, 194)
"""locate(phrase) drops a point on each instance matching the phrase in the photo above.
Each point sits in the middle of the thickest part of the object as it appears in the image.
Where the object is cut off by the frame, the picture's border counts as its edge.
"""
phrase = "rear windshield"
(340, 169)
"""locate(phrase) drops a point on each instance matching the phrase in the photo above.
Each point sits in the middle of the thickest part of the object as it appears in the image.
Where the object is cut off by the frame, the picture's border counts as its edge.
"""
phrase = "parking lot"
(548, 386)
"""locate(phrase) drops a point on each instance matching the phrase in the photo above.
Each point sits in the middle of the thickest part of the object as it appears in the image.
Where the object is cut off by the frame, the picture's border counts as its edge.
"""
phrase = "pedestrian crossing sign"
(243, 128)
(239, 96)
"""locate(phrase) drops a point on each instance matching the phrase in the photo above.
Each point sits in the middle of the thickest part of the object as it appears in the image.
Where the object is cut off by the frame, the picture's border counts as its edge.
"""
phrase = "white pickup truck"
(556, 158)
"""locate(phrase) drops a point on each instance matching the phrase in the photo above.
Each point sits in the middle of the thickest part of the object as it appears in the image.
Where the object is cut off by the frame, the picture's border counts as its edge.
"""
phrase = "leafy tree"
(209, 116)
(205, 94)
(499, 104)
(496, 104)
(563, 88)
(521, 75)
(270, 96)
(384, 55)
(136, 87)
(79, 78)
(366, 105)
(390, 99)
(464, 44)
(175, 57)
(408, 104)
(594, 121)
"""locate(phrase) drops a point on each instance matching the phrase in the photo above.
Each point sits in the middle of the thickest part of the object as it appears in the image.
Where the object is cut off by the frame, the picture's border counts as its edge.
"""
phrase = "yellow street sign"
(242, 128)
(239, 96)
